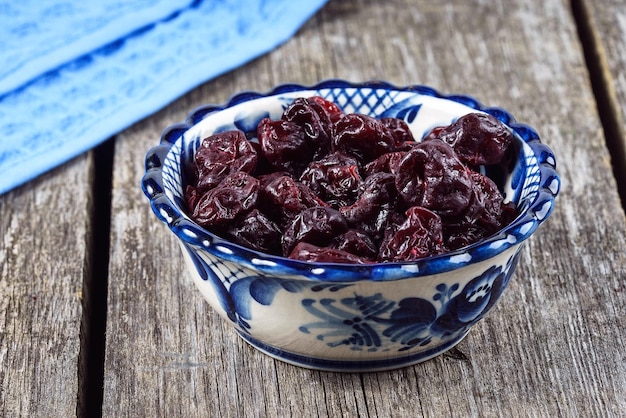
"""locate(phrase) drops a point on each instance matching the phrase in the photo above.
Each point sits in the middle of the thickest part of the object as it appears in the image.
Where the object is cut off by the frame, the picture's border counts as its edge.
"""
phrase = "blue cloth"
(75, 73)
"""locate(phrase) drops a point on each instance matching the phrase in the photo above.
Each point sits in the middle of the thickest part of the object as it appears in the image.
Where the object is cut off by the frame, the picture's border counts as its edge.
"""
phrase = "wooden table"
(96, 317)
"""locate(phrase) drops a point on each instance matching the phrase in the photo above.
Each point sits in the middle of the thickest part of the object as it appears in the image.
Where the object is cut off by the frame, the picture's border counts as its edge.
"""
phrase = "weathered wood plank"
(603, 29)
(553, 346)
(43, 261)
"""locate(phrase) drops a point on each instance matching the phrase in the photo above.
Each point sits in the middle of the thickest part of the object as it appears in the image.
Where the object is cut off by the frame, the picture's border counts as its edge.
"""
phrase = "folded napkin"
(75, 73)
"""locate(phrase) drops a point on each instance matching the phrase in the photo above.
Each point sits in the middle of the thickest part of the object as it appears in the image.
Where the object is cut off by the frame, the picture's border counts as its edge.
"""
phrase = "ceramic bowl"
(343, 317)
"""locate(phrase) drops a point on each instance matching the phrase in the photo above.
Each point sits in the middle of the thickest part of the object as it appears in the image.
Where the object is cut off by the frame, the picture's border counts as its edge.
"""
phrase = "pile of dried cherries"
(326, 186)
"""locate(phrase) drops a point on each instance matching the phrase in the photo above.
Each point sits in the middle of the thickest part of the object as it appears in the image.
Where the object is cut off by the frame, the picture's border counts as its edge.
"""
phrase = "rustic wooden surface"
(44, 258)
(605, 27)
(554, 346)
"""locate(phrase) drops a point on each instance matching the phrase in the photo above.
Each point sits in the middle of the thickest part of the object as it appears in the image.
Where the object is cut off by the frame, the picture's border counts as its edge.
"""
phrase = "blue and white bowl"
(343, 317)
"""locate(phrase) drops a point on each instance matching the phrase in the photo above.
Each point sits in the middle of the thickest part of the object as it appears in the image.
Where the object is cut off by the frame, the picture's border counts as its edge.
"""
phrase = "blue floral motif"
(371, 323)
(363, 322)
(236, 290)
(219, 287)
(409, 114)
(407, 110)
(352, 323)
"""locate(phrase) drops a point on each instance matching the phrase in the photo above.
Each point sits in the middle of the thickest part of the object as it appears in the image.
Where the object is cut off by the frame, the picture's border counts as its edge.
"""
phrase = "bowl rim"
(194, 235)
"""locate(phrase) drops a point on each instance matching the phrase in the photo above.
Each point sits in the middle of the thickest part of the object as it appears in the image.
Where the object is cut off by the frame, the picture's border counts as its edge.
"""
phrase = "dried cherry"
(386, 163)
(256, 231)
(236, 194)
(317, 225)
(312, 253)
(477, 138)
(284, 145)
(282, 198)
(334, 178)
(316, 122)
(324, 186)
(419, 236)
(334, 112)
(398, 129)
(430, 175)
(356, 242)
(221, 154)
(363, 137)
(377, 192)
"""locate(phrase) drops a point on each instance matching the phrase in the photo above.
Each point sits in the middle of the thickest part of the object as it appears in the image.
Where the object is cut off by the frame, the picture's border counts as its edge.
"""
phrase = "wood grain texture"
(604, 30)
(554, 346)
(44, 231)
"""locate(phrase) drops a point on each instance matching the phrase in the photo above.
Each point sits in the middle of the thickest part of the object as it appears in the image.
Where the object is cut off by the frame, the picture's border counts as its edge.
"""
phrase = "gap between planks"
(95, 287)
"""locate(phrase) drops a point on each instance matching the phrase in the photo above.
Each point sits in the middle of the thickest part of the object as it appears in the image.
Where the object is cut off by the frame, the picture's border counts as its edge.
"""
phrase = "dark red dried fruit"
(486, 204)
(236, 194)
(386, 163)
(398, 129)
(279, 196)
(380, 226)
(221, 154)
(376, 193)
(419, 236)
(363, 137)
(192, 196)
(282, 198)
(331, 108)
(312, 253)
(323, 186)
(335, 179)
(357, 243)
(478, 139)
(317, 225)
(462, 234)
(254, 230)
(430, 175)
(485, 215)
(315, 121)
(284, 145)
